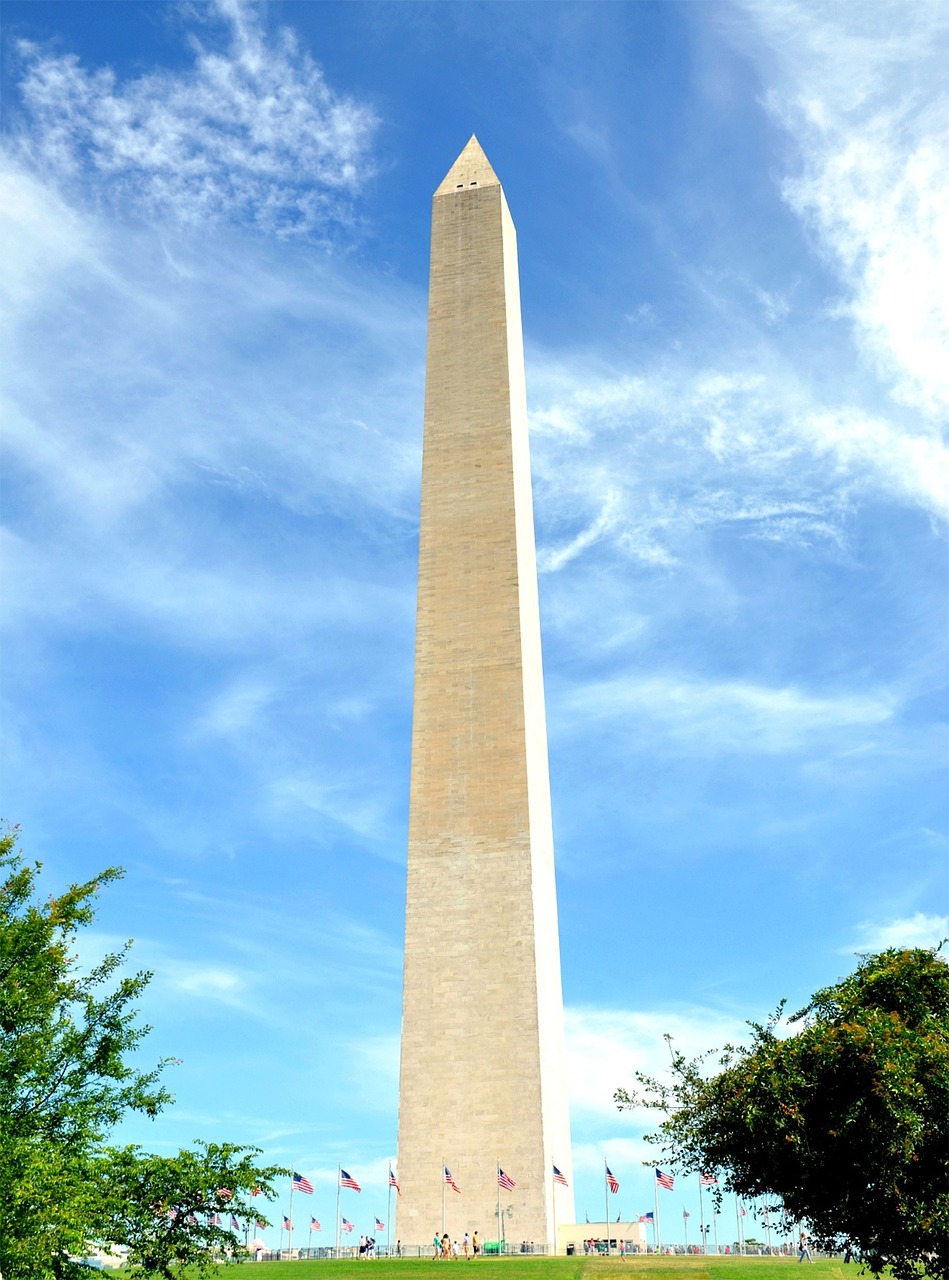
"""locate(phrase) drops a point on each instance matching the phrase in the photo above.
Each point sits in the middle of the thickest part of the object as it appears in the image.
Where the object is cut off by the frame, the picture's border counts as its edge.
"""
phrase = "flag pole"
(737, 1226)
(389, 1217)
(553, 1201)
(715, 1229)
(500, 1223)
(309, 1238)
(290, 1222)
(606, 1199)
(702, 1218)
(444, 1185)
(658, 1233)
(338, 1174)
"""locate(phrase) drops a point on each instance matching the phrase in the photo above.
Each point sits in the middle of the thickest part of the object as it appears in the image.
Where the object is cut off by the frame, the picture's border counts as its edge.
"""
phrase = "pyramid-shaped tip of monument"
(471, 169)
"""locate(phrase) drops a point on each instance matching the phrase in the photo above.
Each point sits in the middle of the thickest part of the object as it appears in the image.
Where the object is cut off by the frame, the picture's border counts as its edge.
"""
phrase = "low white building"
(575, 1233)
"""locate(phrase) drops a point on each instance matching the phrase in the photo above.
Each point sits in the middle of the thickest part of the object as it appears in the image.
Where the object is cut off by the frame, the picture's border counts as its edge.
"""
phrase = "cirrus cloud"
(250, 132)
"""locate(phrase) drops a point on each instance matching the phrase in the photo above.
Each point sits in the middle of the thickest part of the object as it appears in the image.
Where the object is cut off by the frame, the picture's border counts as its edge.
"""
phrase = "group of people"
(444, 1247)
(367, 1246)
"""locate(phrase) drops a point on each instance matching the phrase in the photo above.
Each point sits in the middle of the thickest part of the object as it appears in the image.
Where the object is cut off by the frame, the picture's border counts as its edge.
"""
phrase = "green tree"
(66, 1034)
(846, 1121)
(165, 1209)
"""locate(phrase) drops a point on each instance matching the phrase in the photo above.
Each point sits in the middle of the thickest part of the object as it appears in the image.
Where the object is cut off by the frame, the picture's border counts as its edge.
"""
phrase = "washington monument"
(483, 1074)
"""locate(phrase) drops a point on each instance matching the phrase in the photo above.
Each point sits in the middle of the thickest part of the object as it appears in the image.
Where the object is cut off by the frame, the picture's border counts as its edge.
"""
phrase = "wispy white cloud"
(606, 1047)
(716, 716)
(177, 977)
(140, 400)
(863, 95)
(208, 982)
(374, 1070)
(43, 236)
(744, 435)
(249, 132)
(354, 806)
(644, 462)
(234, 709)
(552, 560)
(919, 930)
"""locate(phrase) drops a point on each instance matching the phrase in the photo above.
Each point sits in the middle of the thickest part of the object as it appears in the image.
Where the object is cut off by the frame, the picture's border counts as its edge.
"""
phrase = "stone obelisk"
(483, 1072)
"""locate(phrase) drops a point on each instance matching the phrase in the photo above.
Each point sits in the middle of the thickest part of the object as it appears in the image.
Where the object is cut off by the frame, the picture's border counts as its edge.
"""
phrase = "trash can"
(571, 1249)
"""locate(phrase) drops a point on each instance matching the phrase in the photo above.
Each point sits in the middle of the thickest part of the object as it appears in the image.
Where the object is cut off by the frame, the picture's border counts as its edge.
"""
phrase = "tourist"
(803, 1251)
(466, 1244)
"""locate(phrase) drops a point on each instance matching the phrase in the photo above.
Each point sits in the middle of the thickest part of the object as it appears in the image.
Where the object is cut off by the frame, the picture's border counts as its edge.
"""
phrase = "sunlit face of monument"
(483, 1078)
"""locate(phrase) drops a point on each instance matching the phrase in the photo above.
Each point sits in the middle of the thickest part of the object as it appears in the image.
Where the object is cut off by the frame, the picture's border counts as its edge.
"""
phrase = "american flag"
(256, 1191)
(303, 1184)
(347, 1180)
(685, 1213)
(708, 1180)
(235, 1225)
(191, 1220)
(261, 1225)
(380, 1225)
(346, 1225)
(287, 1224)
(647, 1217)
(215, 1220)
(315, 1224)
(225, 1193)
(451, 1181)
(664, 1179)
(504, 1181)
(558, 1177)
(392, 1181)
(611, 1182)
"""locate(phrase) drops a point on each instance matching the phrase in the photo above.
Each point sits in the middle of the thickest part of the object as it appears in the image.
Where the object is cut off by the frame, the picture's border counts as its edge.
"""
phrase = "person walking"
(437, 1246)
(803, 1251)
(474, 1244)
(466, 1245)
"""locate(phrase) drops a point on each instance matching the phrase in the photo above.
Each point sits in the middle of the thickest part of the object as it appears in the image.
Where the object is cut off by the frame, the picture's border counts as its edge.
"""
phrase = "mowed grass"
(577, 1268)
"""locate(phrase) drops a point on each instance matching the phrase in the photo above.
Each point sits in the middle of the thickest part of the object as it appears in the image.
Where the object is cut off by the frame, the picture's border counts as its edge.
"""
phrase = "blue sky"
(733, 227)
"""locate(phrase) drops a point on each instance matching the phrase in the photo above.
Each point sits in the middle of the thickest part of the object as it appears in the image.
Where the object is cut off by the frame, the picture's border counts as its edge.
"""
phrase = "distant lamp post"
(507, 1211)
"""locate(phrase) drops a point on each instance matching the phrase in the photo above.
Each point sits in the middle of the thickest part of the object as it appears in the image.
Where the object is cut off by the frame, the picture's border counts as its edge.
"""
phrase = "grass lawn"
(578, 1268)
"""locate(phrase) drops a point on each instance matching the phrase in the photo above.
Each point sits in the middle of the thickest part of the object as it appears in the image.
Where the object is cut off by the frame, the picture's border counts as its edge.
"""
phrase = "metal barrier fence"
(508, 1249)
(513, 1249)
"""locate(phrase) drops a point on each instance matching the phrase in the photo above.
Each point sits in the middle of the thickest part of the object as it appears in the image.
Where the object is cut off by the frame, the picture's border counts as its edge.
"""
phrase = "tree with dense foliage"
(168, 1210)
(66, 1034)
(846, 1122)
